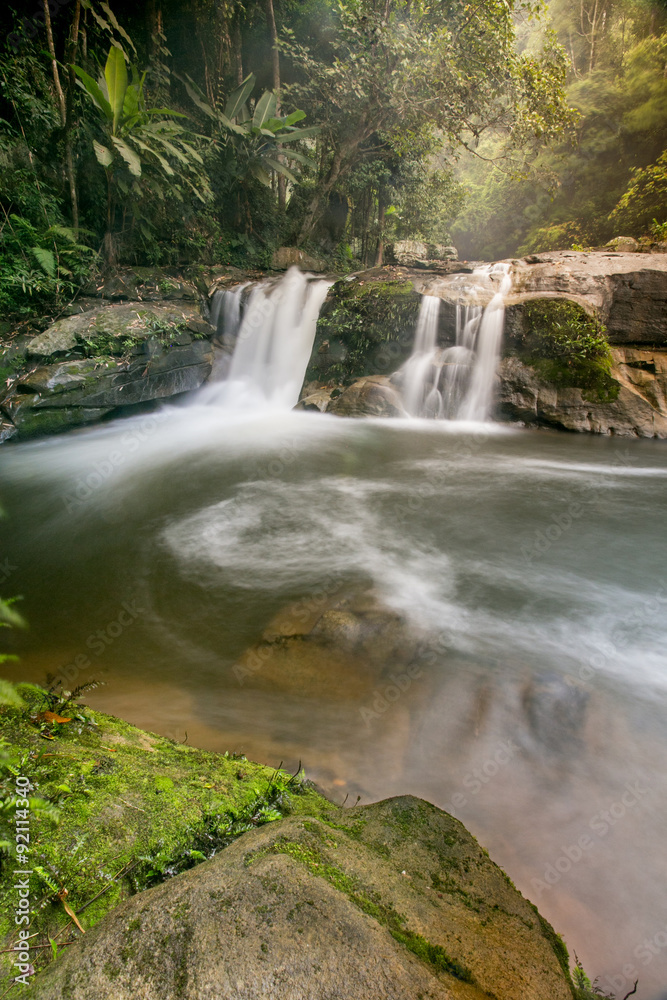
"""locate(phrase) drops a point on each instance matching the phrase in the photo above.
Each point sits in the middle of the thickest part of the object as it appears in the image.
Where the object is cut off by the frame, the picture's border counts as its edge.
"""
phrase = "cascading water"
(273, 339)
(456, 383)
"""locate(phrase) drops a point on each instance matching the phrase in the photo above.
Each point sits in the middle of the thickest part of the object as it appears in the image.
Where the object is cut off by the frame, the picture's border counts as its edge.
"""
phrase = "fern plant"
(39, 266)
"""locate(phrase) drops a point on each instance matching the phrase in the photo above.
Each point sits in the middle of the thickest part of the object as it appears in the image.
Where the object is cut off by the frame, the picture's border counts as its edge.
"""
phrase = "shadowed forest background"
(221, 131)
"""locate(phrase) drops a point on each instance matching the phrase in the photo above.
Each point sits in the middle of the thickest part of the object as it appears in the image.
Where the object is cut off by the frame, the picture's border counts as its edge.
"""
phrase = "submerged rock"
(393, 900)
(374, 396)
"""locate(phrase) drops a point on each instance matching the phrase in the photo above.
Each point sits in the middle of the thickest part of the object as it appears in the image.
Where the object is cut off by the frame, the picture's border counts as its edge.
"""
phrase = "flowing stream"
(526, 570)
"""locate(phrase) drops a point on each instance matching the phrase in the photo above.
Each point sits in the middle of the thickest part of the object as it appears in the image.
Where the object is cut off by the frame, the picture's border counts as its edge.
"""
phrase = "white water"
(457, 382)
(273, 339)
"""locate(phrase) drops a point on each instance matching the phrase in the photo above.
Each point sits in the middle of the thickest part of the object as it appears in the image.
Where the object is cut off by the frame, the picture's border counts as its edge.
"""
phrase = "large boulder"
(109, 359)
(394, 900)
(286, 257)
(373, 396)
(111, 328)
(638, 409)
(56, 397)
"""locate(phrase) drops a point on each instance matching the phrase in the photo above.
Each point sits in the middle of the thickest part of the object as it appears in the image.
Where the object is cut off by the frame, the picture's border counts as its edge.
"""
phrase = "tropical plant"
(144, 151)
(255, 144)
(39, 264)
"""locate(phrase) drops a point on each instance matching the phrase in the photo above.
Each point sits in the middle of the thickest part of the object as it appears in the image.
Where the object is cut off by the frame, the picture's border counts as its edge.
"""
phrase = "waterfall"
(421, 396)
(456, 383)
(272, 339)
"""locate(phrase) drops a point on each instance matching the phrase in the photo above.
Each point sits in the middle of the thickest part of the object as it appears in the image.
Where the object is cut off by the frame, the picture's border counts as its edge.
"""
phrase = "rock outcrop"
(390, 900)
(100, 362)
(626, 293)
(136, 338)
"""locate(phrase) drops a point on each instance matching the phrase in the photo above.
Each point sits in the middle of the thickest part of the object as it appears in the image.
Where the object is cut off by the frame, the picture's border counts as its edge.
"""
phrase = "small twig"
(130, 806)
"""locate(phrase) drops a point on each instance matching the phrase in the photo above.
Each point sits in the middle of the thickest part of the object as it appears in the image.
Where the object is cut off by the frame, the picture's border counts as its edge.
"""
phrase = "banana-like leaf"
(238, 129)
(169, 146)
(90, 87)
(261, 174)
(295, 117)
(103, 154)
(280, 168)
(299, 133)
(239, 97)
(166, 166)
(45, 259)
(121, 31)
(264, 109)
(129, 155)
(196, 96)
(115, 74)
(131, 102)
(299, 157)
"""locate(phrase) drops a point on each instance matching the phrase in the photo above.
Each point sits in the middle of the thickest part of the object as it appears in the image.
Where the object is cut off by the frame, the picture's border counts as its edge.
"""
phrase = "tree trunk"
(237, 45)
(71, 57)
(62, 105)
(380, 250)
(324, 188)
(273, 31)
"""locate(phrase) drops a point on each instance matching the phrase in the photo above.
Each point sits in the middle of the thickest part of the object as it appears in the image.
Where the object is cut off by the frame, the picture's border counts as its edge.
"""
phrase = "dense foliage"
(211, 129)
(608, 176)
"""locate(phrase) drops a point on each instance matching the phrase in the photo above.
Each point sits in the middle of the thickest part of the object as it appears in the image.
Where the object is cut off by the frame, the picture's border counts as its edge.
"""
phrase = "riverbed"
(528, 567)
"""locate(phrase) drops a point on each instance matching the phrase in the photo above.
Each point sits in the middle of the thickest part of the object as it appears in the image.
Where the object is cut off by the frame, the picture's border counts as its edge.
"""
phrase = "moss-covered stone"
(567, 347)
(366, 327)
(134, 809)
(339, 903)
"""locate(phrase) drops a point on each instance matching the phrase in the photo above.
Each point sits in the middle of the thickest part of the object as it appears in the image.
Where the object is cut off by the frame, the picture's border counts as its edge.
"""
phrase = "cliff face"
(620, 388)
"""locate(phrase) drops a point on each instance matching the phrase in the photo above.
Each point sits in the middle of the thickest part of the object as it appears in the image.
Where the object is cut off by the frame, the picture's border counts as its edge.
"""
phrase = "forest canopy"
(208, 130)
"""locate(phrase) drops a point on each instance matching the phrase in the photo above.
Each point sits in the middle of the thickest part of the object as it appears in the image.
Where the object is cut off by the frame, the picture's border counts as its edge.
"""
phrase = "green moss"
(311, 857)
(569, 348)
(364, 327)
(140, 808)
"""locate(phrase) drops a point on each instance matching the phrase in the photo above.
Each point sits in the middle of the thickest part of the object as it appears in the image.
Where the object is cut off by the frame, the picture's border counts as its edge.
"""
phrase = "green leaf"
(161, 160)
(300, 133)
(300, 157)
(92, 88)
(280, 168)
(130, 157)
(295, 117)
(131, 102)
(103, 154)
(121, 31)
(258, 171)
(115, 74)
(264, 109)
(9, 696)
(196, 96)
(45, 259)
(239, 96)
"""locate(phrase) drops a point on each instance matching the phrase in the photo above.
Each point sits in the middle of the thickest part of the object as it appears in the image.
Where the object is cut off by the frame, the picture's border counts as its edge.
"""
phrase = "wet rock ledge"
(300, 898)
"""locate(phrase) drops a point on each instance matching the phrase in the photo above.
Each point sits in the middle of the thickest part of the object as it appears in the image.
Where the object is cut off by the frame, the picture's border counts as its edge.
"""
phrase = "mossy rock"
(390, 900)
(566, 346)
(366, 327)
(134, 809)
(115, 329)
